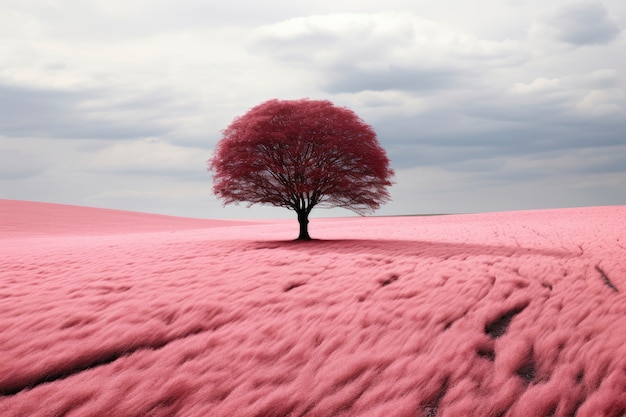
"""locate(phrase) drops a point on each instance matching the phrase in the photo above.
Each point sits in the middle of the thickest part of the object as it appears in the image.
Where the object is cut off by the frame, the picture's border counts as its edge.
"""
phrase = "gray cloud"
(148, 157)
(114, 21)
(585, 24)
(19, 164)
(25, 111)
(488, 127)
(350, 80)
(88, 114)
(119, 104)
(387, 51)
(416, 142)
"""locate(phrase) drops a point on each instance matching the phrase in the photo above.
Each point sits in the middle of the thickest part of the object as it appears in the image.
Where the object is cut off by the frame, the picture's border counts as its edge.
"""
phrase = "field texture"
(106, 313)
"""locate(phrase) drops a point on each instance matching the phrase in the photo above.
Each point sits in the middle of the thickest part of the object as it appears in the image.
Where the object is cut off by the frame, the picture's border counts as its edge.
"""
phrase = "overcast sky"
(487, 105)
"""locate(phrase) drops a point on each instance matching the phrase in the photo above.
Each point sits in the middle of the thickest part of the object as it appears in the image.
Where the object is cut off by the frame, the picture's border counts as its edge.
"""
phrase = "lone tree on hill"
(300, 154)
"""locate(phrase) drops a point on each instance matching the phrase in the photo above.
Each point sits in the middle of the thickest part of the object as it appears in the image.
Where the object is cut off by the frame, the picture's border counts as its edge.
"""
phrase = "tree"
(299, 154)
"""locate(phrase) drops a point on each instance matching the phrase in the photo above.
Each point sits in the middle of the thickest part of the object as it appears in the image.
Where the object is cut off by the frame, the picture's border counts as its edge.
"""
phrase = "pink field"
(106, 313)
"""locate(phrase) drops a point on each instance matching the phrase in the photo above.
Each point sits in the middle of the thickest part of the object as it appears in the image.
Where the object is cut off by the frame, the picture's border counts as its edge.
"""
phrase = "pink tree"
(299, 154)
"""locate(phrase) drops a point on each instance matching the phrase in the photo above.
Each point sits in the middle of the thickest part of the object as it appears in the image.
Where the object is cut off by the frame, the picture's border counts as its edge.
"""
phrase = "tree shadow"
(391, 247)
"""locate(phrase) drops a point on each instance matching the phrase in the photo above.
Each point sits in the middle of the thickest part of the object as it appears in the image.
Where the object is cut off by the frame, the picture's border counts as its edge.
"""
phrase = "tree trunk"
(303, 219)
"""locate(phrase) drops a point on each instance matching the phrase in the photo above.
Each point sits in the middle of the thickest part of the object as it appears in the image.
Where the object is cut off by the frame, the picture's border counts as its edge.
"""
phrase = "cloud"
(585, 23)
(347, 80)
(112, 103)
(65, 113)
(527, 181)
(19, 164)
(382, 51)
(565, 114)
(584, 96)
(150, 156)
(452, 102)
(560, 101)
(600, 103)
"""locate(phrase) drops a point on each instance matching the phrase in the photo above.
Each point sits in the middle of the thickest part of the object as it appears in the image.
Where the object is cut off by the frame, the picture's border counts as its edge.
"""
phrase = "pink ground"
(125, 314)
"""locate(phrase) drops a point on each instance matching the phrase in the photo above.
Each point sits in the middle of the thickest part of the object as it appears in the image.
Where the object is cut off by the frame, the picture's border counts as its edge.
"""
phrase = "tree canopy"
(299, 154)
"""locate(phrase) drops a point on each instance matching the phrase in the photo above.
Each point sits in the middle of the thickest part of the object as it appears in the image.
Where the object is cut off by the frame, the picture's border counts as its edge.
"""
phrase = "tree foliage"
(299, 154)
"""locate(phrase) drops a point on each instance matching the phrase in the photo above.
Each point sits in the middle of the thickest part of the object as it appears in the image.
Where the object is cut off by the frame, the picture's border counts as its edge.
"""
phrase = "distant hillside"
(27, 218)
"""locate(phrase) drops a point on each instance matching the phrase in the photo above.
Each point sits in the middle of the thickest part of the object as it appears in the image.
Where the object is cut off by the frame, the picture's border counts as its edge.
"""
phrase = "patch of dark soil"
(431, 407)
(90, 363)
(293, 285)
(499, 326)
(606, 279)
(486, 353)
(389, 280)
(527, 371)
(579, 376)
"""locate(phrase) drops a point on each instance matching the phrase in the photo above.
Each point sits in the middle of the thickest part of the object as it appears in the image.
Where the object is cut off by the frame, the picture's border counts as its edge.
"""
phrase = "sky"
(481, 106)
